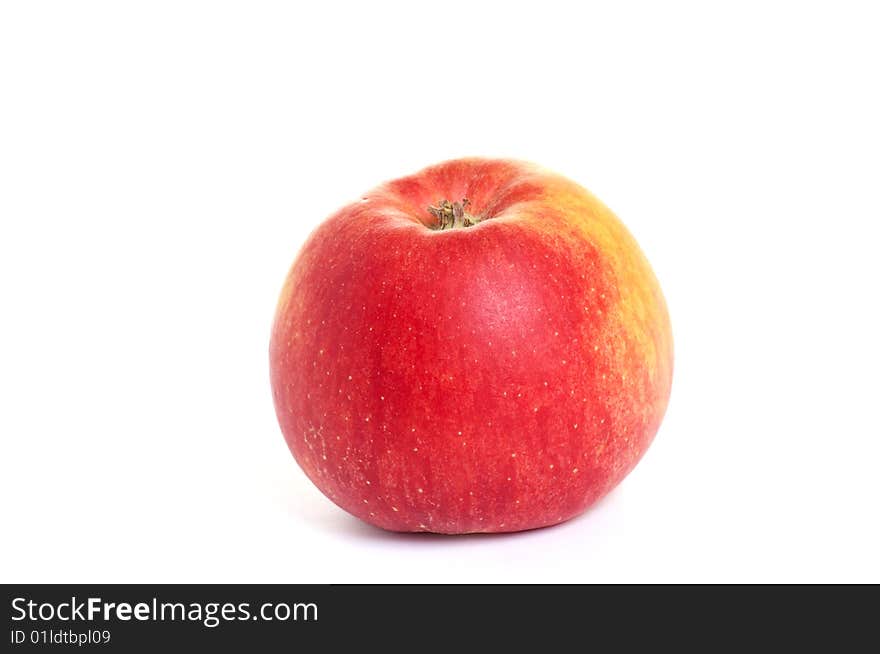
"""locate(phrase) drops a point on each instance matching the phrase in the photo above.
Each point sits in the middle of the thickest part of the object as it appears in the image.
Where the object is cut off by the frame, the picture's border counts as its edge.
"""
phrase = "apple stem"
(452, 215)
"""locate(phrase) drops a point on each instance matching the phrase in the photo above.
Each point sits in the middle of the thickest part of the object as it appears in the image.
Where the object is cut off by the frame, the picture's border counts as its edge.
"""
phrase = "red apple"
(479, 347)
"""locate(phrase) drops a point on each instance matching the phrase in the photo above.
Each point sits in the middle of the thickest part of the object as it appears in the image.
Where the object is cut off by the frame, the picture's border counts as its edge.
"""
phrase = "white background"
(161, 163)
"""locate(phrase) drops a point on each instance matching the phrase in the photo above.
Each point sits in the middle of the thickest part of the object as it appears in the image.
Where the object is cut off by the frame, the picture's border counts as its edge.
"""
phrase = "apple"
(478, 347)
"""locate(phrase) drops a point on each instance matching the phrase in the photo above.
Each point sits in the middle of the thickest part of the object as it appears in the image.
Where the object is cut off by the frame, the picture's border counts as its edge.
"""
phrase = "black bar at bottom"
(133, 618)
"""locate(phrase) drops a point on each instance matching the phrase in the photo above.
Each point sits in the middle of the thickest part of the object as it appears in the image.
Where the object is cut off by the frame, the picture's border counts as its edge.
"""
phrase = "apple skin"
(491, 378)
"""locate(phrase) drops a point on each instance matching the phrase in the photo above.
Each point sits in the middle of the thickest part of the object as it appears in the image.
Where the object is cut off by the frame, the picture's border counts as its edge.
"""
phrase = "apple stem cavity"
(452, 215)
